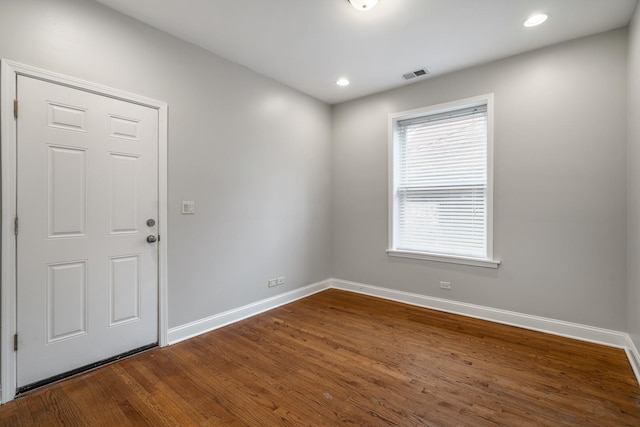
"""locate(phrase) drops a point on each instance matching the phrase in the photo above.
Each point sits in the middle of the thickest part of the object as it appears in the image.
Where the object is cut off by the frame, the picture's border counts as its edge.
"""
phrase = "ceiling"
(309, 44)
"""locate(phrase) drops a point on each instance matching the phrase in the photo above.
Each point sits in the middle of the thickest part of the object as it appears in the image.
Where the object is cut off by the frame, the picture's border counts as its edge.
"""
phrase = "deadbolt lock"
(151, 222)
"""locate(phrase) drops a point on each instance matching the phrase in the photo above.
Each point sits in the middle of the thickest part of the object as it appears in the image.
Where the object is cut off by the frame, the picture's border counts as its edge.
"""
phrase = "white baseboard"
(198, 327)
(541, 324)
(526, 321)
(634, 357)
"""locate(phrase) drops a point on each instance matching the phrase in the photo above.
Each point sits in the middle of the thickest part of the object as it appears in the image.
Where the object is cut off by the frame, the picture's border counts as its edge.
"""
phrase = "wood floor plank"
(339, 358)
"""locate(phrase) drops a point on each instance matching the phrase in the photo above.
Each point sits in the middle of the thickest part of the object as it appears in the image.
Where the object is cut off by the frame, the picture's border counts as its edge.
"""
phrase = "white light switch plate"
(188, 207)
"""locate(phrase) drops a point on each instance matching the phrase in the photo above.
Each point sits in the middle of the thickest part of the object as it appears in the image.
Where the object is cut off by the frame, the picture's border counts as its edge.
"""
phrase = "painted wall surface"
(560, 185)
(633, 234)
(274, 197)
(252, 153)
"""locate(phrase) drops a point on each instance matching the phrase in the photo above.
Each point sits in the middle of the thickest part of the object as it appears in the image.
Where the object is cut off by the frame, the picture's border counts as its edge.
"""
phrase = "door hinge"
(15, 108)
(15, 226)
(15, 342)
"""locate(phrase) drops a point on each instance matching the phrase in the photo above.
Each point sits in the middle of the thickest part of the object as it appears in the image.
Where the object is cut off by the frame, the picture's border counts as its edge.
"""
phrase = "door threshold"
(30, 387)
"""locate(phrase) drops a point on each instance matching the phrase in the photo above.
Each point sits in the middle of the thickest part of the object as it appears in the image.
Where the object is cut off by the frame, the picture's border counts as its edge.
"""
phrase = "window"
(441, 176)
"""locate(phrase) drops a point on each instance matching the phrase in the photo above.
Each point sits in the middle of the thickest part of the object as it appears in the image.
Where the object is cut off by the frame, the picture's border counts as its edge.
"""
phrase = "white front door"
(87, 184)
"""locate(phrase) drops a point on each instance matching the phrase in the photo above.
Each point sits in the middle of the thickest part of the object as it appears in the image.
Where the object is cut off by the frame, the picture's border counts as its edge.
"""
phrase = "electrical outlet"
(280, 280)
(272, 282)
(445, 285)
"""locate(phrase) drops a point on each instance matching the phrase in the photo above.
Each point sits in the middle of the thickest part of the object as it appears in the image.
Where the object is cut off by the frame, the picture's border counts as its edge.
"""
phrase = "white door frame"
(8, 169)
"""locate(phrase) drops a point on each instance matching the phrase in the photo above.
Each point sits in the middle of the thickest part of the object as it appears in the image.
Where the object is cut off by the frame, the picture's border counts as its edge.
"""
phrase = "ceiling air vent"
(413, 74)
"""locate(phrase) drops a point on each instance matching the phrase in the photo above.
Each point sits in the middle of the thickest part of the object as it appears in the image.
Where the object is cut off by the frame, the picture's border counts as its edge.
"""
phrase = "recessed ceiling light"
(342, 82)
(363, 4)
(535, 20)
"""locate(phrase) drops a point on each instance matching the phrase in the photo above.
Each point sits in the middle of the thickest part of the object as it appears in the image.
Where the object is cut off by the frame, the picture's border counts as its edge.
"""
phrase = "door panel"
(66, 300)
(66, 192)
(87, 183)
(123, 193)
(124, 289)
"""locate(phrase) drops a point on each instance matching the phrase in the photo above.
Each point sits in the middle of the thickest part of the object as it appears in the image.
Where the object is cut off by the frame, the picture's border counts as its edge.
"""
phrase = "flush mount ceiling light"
(342, 82)
(363, 4)
(535, 20)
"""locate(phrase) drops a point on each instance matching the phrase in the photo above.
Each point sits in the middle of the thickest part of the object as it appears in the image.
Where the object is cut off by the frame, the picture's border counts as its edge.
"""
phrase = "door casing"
(9, 70)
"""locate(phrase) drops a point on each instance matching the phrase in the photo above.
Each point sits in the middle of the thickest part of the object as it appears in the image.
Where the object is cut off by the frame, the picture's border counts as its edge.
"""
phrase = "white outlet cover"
(188, 207)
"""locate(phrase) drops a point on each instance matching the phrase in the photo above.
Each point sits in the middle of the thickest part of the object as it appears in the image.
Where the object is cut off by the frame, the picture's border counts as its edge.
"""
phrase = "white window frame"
(488, 260)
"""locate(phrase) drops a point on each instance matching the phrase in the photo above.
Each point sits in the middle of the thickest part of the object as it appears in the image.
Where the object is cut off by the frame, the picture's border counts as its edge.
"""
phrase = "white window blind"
(441, 183)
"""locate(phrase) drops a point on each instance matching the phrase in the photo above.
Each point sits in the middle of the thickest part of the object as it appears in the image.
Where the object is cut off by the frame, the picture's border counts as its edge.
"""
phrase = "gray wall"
(633, 255)
(257, 158)
(252, 153)
(560, 185)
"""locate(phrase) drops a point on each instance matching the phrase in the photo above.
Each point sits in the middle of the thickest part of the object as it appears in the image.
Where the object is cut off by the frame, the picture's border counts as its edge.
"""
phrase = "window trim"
(488, 261)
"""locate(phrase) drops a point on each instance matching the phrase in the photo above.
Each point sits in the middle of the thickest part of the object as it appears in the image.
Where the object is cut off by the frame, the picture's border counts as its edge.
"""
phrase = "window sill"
(476, 262)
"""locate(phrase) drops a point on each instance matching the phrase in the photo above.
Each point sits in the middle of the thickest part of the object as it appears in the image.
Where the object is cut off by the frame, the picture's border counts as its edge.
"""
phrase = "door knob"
(151, 238)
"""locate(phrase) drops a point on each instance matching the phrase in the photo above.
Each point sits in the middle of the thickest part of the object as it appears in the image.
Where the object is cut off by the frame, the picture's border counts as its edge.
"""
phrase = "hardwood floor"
(338, 358)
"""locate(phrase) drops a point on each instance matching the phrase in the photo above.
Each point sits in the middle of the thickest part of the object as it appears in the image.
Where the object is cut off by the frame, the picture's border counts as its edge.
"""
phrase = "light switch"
(188, 207)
